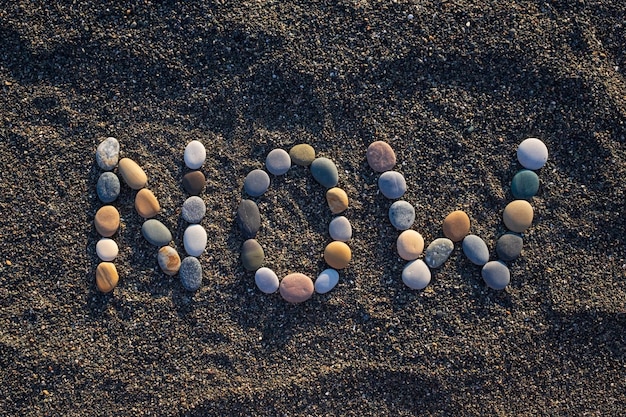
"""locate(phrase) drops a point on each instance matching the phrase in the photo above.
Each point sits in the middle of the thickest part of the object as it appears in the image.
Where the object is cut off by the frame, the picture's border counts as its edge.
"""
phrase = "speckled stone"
(107, 154)
(416, 275)
(438, 252)
(340, 229)
(518, 216)
(326, 281)
(392, 184)
(475, 249)
(278, 162)
(107, 221)
(325, 172)
(456, 225)
(195, 154)
(106, 249)
(248, 218)
(108, 187)
(525, 184)
(169, 260)
(402, 215)
(156, 233)
(532, 153)
(337, 200)
(193, 210)
(146, 204)
(106, 277)
(380, 156)
(496, 275)
(509, 246)
(195, 240)
(266, 280)
(190, 273)
(252, 255)
(133, 175)
(337, 254)
(302, 154)
(194, 182)
(410, 245)
(296, 288)
(256, 183)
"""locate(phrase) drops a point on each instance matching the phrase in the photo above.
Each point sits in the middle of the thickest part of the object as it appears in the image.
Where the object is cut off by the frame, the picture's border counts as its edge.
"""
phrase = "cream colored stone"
(410, 245)
(337, 200)
(132, 173)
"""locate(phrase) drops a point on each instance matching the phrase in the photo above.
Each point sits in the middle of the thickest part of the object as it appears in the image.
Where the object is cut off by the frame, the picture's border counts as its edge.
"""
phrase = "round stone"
(156, 233)
(496, 275)
(252, 255)
(195, 154)
(146, 204)
(107, 154)
(337, 254)
(107, 249)
(249, 218)
(525, 184)
(326, 281)
(340, 229)
(194, 182)
(108, 187)
(169, 260)
(256, 183)
(410, 245)
(337, 200)
(193, 210)
(532, 153)
(325, 172)
(278, 162)
(107, 221)
(195, 240)
(302, 154)
(380, 156)
(132, 174)
(190, 273)
(266, 280)
(106, 277)
(475, 249)
(438, 252)
(456, 225)
(518, 215)
(296, 288)
(392, 184)
(509, 246)
(416, 275)
(401, 215)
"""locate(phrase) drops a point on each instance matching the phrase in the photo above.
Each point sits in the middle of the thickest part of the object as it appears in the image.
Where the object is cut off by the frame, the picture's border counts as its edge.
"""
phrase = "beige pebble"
(169, 260)
(107, 221)
(456, 225)
(132, 173)
(337, 200)
(106, 277)
(410, 245)
(302, 154)
(518, 215)
(296, 288)
(146, 204)
(337, 254)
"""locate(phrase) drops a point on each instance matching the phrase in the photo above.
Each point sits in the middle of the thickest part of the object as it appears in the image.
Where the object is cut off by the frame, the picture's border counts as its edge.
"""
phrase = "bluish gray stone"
(340, 229)
(190, 273)
(525, 184)
(248, 218)
(496, 275)
(266, 280)
(401, 215)
(392, 184)
(326, 281)
(156, 233)
(256, 183)
(278, 162)
(475, 249)
(438, 252)
(509, 246)
(416, 275)
(108, 153)
(108, 187)
(194, 210)
(325, 172)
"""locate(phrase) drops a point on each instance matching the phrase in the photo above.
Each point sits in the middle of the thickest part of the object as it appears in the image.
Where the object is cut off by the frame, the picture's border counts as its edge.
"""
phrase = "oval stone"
(169, 260)
(302, 154)
(190, 273)
(438, 252)
(278, 162)
(193, 210)
(266, 280)
(416, 275)
(401, 215)
(107, 153)
(195, 154)
(496, 275)
(146, 203)
(456, 225)
(132, 174)
(156, 233)
(249, 218)
(106, 277)
(340, 229)
(525, 184)
(108, 187)
(194, 182)
(325, 172)
(518, 215)
(195, 240)
(509, 246)
(380, 156)
(107, 221)
(107, 249)
(337, 200)
(337, 254)
(252, 255)
(410, 245)
(326, 281)
(392, 184)
(296, 288)
(532, 153)
(475, 249)
(256, 183)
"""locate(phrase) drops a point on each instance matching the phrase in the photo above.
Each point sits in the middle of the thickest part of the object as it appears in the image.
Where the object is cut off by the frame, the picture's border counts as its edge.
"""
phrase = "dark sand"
(454, 90)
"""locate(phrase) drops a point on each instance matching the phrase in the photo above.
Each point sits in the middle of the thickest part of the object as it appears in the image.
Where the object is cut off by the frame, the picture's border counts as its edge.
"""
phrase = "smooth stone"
(132, 174)
(525, 184)
(266, 280)
(518, 215)
(337, 254)
(296, 288)
(256, 183)
(325, 172)
(108, 187)
(107, 154)
(392, 184)
(190, 273)
(252, 255)
(106, 277)
(195, 240)
(438, 252)
(337, 200)
(326, 281)
(416, 275)
(193, 210)
(278, 162)
(380, 156)
(248, 218)
(410, 245)
(402, 215)
(340, 229)
(194, 182)
(169, 260)
(496, 275)
(302, 154)
(475, 249)
(532, 153)
(147, 204)
(156, 233)
(456, 225)
(509, 246)
(107, 249)
(107, 221)
(195, 154)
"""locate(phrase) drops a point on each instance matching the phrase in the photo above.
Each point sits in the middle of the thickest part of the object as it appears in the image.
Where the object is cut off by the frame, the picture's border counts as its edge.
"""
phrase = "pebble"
(296, 288)
(266, 280)
(532, 153)
(392, 184)
(156, 233)
(337, 200)
(325, 172)
(108, 187)
(190, 273)
(195, 240)
(194, 182)
(248, 218)
(252, 255)
(337, 254)
(107, 249)
(496, 275)
(278, 162)
(410, 245)
(402, 215)
(146, 204)
(302, 154)
(107, 221)
(509, 246)
(193, 210)
(132, 174)
(106, 277)
(518, 215)
(340, 229)
(326, 281)
(525, 184)
(438, 252)
(416, 275)
(456, 225)
(169, 260)
(475, 249)
(256, 183)
(107, 154)
(380, 156)
(195, 154)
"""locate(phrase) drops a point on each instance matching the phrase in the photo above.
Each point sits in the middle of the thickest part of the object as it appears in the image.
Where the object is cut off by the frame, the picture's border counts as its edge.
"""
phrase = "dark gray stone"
(108, 187)
(509, 246)
(190, 273)
(325, 172)
(248, 218)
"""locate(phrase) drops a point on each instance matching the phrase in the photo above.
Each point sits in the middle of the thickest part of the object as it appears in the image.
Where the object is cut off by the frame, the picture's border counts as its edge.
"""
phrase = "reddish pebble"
(296, 288)
(380, 156)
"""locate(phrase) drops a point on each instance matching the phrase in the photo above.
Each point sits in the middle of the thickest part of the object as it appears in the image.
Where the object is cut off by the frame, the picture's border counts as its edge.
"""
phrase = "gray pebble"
(475, 249)
(278, 162)
(108, 153)
(194, 210)
(256, 183)
(401, 215)
(156, 233)
(496, 275)
(266, 280)
(325, 172)
(190, 273)
(248, 218)
(108, 187)
(340, 229)
(438, 252)
(509, 246)
(392, 184)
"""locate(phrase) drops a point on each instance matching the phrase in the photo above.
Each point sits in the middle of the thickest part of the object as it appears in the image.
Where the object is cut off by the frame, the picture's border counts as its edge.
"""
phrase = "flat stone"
(296, 288)
(416, 275)
(326, 281)
(456, 225)
(194, 182)
(256, 183)
(146, 204)
(107, 221)
(380, 156)
(496, 275)
(438, 252)
(193, 210)
(278, 161)
(302, 154)
(266, 280)
(325, 172)
(518, 216)
(509, 247)
(475, 249)
(132, 174)
(195, 240)
(392, 184)
(248, 218)
(337, 200)
(108, 187)
(532, 153)
(107, 249)
(107, 154)
(156, 233)
(195, 154)
(410, 245)
(340, 229)
(525, 184)
(190, 273)
(169, 260)
(106, 277)
(252, 255)
(402, 215)
(337, 254)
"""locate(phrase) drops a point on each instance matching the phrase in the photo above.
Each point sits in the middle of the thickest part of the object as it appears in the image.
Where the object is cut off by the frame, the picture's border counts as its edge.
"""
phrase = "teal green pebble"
(525, 184)
(325, 172)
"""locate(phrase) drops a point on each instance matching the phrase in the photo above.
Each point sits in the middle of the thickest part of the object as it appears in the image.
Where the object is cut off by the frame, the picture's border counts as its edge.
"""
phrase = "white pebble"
(326, 281)
(195, 239)
(195, 154)
(266, 280)
(106, 249)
